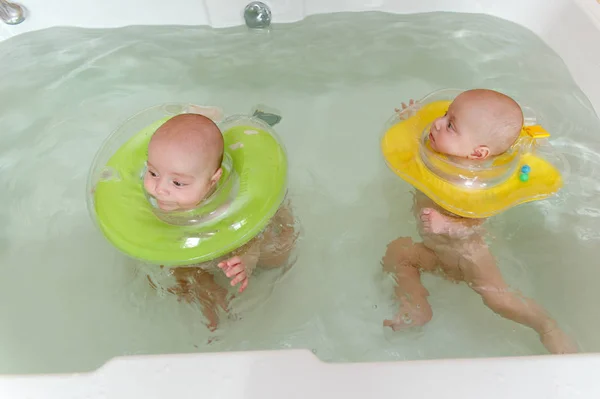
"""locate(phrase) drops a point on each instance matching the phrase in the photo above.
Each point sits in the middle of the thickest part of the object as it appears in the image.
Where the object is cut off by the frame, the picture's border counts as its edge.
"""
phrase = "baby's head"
(479, 123)
(184, 162)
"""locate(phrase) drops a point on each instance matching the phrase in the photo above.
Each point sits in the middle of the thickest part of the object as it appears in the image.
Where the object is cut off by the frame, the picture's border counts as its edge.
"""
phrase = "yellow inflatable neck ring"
(471, 189)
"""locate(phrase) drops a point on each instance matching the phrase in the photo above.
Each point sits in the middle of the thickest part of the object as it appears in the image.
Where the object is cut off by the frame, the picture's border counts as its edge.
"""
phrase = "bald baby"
(184, 166)
(184, 162)
(479, 124)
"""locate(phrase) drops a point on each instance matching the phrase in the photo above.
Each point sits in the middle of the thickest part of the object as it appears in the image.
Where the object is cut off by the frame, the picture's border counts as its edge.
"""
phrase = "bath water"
(69, 301)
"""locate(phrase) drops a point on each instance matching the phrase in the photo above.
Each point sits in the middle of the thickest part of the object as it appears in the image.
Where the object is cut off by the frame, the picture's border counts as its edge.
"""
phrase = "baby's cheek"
(190, 198)
(147, 185)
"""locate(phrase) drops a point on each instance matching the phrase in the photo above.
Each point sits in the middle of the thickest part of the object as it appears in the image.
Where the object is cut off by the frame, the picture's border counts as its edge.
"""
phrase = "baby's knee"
(401, 242)
(399, 252)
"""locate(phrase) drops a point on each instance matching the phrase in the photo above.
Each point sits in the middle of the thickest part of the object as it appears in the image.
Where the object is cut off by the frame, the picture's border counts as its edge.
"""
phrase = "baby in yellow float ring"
(184, 163)
(478, 125)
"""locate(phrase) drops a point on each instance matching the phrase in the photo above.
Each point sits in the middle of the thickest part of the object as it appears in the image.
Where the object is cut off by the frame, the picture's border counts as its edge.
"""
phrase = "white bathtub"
(570, 27)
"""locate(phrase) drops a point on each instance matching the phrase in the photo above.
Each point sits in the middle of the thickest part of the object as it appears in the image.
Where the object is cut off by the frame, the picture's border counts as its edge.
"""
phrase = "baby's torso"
(460, 258)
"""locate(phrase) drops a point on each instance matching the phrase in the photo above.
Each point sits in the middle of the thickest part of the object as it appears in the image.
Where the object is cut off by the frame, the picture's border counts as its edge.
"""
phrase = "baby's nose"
(161, 187)
(438, 123)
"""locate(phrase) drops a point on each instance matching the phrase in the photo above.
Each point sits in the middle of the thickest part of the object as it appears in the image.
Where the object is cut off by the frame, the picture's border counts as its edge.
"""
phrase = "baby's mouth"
(165, 205)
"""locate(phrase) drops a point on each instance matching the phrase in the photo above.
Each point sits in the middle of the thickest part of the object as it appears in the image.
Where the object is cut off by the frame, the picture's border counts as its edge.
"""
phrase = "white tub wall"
(298, 374)
(224, 13)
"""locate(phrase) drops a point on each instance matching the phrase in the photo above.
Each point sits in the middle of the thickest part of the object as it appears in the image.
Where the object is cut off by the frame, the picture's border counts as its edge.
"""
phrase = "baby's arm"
(453, 226)
(239, 267)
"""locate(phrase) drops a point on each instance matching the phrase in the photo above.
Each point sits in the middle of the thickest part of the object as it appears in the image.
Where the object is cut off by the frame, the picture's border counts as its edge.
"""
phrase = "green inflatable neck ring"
(249, 193)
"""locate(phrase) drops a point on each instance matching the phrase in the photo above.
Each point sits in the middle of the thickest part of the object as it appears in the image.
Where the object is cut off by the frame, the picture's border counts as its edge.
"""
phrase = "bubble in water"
(406, 318)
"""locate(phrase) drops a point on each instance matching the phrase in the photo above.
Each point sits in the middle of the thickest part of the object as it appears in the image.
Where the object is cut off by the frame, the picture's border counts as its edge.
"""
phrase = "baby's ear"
(480, 153)
(215, 178)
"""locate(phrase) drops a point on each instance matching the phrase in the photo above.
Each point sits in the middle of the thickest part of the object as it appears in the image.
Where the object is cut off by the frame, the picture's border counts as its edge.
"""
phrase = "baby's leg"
(278, 239)
(406, 259)
(482, 274)
(195, 285)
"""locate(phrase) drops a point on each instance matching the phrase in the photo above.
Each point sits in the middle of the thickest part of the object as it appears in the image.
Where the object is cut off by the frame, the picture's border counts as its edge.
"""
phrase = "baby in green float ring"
(183, 168)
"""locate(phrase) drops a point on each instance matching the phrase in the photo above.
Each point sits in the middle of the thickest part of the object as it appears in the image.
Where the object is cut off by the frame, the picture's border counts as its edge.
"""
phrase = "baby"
(479, 124)
(184, 167)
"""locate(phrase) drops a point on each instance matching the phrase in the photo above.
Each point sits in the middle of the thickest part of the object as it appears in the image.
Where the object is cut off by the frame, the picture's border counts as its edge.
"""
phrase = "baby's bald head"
(499, 118)
(479, 123)
(194, 135)
(184, 161)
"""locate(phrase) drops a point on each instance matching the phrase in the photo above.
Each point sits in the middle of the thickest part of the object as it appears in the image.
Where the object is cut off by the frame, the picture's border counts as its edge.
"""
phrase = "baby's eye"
(449, 125)
(178, 184)
(152, 173)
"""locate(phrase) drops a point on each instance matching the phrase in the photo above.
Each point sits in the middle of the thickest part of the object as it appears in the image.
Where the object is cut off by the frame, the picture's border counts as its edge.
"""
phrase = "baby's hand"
(235, 269)
(408, 110)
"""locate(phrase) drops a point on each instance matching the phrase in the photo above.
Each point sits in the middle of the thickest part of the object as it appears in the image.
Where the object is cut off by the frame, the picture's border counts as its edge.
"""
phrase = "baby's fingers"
(239, 278)
(225, 264)
(229, 263)
(234, 271)
(243, 286)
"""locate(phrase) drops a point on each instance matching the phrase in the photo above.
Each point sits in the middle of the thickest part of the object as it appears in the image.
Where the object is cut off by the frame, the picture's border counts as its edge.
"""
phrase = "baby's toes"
(426, 215)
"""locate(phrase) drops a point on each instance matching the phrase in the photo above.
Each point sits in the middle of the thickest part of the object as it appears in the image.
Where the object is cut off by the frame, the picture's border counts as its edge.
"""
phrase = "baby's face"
(177, 178)
(456, 133)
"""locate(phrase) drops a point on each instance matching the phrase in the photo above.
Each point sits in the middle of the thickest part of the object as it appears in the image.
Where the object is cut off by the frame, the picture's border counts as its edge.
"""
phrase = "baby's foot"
(557, 342)
(410, 315)
(433, 221)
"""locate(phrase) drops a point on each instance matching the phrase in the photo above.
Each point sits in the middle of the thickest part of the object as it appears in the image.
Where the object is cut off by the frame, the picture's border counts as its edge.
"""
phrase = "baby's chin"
(167, 206)
(172, 207)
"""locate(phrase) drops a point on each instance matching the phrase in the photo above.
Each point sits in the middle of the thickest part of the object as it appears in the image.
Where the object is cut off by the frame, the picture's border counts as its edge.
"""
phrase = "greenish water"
(69, 301)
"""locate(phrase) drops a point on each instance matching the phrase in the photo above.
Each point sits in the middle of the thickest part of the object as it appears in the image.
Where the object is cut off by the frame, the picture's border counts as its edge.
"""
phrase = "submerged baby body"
(479, 124)
(185, 157)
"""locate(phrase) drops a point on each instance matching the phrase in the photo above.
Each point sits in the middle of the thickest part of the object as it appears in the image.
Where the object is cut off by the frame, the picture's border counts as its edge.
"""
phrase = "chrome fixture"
(11, 13)
(257, 15)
